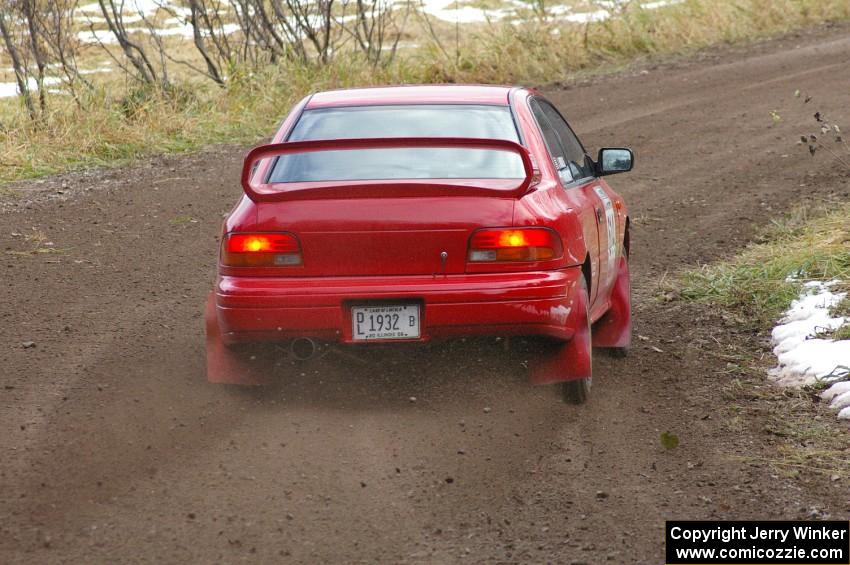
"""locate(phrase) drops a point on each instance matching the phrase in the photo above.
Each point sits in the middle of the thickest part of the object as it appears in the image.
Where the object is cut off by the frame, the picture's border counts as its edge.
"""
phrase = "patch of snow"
(106, 68)
(9, 89)
(125, 18)
(467, 14)
(100, 36)
(841, 401)
(660, 4)
(149, 8)
(835, 390)
(135, 10)
(185, 30)
(804, 357)
(585, 17)
(92, 8)
(146, 7)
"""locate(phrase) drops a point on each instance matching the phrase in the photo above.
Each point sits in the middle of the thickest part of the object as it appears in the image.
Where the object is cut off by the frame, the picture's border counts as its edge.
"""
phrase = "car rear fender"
(542, 207)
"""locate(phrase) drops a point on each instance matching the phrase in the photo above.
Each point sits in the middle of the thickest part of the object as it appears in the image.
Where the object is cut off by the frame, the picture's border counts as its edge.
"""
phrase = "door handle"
(599, 214)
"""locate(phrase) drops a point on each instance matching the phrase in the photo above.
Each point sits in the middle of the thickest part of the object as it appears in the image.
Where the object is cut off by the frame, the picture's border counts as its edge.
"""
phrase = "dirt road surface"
(115, 449)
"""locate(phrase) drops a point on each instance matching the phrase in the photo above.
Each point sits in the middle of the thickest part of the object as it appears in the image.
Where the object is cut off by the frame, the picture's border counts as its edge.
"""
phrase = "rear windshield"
(479, 121)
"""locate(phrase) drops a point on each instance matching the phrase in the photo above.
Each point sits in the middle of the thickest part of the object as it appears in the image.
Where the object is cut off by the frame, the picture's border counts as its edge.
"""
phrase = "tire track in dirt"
(140, 460)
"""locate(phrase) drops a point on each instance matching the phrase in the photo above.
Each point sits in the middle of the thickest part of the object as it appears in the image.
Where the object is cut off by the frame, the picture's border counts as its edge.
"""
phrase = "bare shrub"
(303, 31)
(828, 138)
(38, 37)
(134, 52)
(374, 25)
(11, 31)
(210, 38)
(54, 22)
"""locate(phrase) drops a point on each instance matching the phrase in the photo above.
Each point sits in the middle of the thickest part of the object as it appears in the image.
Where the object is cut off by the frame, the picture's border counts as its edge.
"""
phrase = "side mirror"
(613, 160)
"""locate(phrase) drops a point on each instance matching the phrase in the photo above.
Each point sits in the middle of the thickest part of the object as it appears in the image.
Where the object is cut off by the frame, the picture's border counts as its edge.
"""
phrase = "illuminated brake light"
(524, 244)
(260, 250)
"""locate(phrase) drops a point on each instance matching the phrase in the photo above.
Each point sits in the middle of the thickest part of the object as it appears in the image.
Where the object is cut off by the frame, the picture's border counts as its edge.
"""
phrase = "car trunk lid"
(384, 236)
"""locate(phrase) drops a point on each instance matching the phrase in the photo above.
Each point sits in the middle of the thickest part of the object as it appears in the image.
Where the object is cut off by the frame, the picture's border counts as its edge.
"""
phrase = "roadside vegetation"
(753, 290)
(808, 244)
(758, 285)
(756, 288)
(243, 63)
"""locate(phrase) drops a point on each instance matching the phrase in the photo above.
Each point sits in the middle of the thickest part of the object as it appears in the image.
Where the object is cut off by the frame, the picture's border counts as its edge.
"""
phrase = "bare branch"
(135, 54)
(21, 75)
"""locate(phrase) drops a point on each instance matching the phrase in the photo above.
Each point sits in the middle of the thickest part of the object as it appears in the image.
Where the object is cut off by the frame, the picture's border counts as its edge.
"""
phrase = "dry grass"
(807, 438)
(119, 121)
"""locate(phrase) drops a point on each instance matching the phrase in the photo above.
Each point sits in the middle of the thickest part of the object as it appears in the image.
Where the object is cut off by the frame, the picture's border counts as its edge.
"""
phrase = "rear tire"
(578, 391)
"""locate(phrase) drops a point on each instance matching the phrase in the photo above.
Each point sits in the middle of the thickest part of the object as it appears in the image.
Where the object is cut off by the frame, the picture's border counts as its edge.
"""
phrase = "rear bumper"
(276, 309)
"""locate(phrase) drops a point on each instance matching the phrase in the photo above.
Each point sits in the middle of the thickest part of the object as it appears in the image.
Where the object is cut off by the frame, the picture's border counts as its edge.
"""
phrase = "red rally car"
(404, 214)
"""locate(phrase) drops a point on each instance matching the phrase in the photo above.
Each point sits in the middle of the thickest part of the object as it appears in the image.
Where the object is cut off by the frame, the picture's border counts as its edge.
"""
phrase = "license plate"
(396, 321)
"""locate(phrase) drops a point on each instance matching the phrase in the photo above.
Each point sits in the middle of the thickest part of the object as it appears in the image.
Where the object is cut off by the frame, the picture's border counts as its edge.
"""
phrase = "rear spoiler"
(255, 172)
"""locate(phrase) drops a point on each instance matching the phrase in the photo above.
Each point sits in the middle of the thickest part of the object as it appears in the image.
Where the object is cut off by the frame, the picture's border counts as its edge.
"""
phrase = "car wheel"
(578, 391)
(618, 352)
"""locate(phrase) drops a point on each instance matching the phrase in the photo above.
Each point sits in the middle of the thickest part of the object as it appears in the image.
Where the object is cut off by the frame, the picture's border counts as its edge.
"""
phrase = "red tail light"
(519, 244)
(260, 250)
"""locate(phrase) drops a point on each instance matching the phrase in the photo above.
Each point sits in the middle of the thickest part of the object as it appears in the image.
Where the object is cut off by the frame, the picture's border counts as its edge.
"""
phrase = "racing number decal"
(611, 225)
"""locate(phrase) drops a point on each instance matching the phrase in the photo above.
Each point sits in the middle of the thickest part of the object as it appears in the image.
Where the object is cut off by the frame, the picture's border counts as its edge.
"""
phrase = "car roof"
(431, 94)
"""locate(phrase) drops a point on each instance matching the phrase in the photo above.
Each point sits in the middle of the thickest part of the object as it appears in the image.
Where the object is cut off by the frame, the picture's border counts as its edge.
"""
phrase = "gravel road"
(115, 449)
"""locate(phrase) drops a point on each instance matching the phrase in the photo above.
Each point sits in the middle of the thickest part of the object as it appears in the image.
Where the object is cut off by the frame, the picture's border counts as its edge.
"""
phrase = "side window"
(574, 154)
(553, 144)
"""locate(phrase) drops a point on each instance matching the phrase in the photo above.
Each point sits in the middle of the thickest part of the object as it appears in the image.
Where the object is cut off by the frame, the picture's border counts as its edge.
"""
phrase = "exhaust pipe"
(303, 348)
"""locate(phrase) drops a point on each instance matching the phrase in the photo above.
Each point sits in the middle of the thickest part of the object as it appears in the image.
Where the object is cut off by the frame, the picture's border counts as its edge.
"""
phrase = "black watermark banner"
(785, 542)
